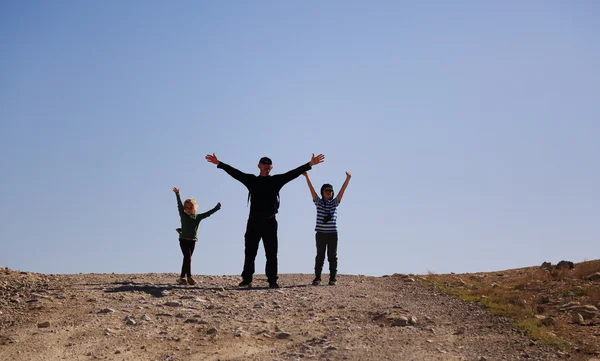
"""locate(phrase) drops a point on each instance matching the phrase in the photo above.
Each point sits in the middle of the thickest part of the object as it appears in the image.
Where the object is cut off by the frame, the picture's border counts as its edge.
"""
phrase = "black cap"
(265, 160)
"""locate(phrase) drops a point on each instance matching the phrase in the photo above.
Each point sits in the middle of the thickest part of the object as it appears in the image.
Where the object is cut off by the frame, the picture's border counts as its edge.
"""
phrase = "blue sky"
(471, 129)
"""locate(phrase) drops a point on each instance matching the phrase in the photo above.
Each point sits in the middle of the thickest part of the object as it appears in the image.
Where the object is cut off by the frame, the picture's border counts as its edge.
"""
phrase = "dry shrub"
(584, 269)
(594, 295)
(560, 274)
(538, 273)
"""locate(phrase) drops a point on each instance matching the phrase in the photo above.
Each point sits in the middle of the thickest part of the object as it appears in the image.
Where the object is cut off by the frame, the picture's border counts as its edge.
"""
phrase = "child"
(326, 236)
(188, 234)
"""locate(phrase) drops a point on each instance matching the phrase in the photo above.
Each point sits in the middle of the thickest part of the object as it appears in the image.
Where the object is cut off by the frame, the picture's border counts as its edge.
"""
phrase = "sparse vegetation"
(527, 295)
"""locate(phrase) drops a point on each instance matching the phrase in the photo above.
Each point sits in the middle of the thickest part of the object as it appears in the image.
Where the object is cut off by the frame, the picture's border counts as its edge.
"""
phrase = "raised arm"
(343, 189)
(208, 213)
(179, 204)
(295, 173)
(313, 194)
(244, 178)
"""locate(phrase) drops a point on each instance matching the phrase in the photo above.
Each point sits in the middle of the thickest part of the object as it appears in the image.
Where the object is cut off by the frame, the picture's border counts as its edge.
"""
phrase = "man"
(264, 205)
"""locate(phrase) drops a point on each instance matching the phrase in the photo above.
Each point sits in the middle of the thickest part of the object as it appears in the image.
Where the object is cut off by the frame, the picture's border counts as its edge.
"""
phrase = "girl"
(326, 228)
(188, 234)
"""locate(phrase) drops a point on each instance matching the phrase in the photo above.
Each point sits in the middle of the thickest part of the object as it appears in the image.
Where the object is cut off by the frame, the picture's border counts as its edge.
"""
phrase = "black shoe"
(332, 281)
(273, 285)
(316, 281)
(245, 284)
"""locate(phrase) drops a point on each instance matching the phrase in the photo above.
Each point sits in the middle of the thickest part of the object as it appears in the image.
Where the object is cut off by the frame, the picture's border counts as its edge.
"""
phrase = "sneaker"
(191, 281)
(316, 281)
(182, 281)
(273, 285)
(332, 282)
(245, 284)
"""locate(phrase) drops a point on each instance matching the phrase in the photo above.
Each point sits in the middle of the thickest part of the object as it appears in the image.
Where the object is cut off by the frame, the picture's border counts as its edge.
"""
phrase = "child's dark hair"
(327, 186)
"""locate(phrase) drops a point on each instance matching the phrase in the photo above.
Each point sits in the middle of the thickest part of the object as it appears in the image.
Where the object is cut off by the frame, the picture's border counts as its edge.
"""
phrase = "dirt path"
(147, 317)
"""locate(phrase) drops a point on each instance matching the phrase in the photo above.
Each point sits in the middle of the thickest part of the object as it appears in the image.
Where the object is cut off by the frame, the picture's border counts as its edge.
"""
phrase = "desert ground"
(392, 317)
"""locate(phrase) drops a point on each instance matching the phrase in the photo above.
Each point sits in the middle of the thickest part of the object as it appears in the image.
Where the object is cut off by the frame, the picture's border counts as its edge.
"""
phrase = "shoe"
(245, 284)
(316, 281)
(332, 282)
(191, 281)
(273, 285)
(178, 230)
(182, 281)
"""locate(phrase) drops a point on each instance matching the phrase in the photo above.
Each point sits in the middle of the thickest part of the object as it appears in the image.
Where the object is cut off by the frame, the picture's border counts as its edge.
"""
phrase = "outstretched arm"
(295, 173)
(179, 204)
(208, 213)
(310, 186)
(244, 178)
(343, 189)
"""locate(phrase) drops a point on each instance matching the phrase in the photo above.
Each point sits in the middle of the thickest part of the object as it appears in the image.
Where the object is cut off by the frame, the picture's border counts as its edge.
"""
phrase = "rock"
(578, 318)
(45, 324)
(593, 277)
(130, 321)
(173, 303)
(544, 299)
(106, 310)
(461, 330)
(565, 265)
(400, 321)
(588, 308)
(412, 320)
(494, 285)
(191, 320)
(238, 332)
(283, 335)
(145, 318)
(259, 305)
(567, 306)
(547, 321)
(211, 331)
(547, 266)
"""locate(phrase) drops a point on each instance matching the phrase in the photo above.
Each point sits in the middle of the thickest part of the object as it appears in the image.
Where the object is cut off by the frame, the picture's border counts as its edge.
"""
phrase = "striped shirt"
(325, 208)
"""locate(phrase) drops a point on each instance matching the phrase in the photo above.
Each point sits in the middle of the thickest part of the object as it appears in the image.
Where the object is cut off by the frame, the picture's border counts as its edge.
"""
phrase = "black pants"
(187, 248)
(255, 230)
(329, 242)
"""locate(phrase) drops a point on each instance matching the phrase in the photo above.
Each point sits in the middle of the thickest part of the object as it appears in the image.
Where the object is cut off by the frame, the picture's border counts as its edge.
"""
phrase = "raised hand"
(212, 158)
(348, 175)
(219, 205)
(316, 160)
(175, 189)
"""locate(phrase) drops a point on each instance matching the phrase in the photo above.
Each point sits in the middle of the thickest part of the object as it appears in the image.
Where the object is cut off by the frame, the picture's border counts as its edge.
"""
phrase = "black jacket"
(264, 190)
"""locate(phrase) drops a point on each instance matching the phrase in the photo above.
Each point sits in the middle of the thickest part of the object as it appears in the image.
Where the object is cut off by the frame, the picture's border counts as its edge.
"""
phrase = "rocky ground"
(148, 317)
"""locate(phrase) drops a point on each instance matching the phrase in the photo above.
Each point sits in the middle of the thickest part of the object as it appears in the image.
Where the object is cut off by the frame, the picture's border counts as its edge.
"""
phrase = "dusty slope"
(147, 317)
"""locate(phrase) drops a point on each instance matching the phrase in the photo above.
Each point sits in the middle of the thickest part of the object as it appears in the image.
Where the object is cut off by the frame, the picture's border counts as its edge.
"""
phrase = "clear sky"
(471, 129)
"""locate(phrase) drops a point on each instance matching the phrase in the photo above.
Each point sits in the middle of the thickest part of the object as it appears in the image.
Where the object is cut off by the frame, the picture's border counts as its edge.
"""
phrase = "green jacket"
(189, 224)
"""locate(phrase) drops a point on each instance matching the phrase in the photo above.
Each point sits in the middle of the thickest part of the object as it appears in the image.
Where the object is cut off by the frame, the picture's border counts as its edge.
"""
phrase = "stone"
(547, 321)
(593, 277)
(578, 318)
(400, 321)
(565, 265)
(173, 303)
